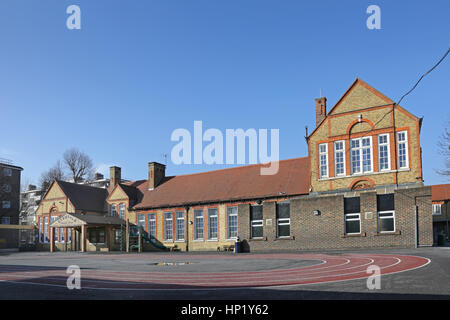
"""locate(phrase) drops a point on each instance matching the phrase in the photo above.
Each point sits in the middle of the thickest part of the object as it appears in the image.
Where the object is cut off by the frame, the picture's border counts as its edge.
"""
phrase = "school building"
(360, 186)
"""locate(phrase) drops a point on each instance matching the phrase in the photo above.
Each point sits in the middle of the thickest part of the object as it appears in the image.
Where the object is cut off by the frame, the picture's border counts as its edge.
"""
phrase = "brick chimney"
(156, 173)
(321, 110)
(114, 176)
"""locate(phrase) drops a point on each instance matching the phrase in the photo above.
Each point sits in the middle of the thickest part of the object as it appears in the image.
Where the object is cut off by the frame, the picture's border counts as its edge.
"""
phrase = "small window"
(402, 149)
(383, 152)
(385, 202)
(232, 224)
(122, 211)
(97, 235)
(6, 204)
(168, 226)
(7, 187)
(198, 224)
(352, 223)
(386, 221)
(437, 209)
(7, 172)
(113, 210)
(283, 220)
(339, 158)
(256, 222)
(352, 205)
(323, 160)
(141, 221)
(212, 224)
(151, 227)
(180, 225)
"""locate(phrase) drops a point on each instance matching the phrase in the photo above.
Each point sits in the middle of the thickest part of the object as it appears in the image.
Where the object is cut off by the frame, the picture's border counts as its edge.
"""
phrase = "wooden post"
(127, 235)
(83, 238)
(52, 239)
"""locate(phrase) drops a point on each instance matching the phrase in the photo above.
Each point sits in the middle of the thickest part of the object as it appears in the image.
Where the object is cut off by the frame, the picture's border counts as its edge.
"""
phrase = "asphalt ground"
(422, 273)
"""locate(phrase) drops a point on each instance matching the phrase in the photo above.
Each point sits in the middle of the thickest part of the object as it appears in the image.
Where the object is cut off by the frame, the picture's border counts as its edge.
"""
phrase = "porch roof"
(70, 220)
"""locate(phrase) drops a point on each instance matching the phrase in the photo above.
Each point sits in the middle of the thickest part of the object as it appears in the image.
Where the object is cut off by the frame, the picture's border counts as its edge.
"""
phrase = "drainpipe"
(187, 228)
(416, 234)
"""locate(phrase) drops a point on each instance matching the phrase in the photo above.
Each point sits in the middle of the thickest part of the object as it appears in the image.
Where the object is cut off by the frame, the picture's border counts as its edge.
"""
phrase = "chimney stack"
(321, 110)
(114, 176)
(156, 173)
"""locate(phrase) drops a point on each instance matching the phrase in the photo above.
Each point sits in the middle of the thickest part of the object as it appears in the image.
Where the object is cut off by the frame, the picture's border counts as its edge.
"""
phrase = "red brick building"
(361, 186)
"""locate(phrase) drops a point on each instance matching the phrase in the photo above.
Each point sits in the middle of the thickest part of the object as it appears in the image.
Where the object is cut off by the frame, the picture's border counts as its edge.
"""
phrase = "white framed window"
(141, 220)
(122, 211)
(7, 172)
(323, 160)
(232, 223)
(113, 212)
(339, 158)
(198, 224)
(386, 221)
(283, 216)
(46, 236)
(6, 220)
(352, 223)
(437, 209)
(168, 226)
(212, 224)
(361, 155)
(179, 225)
(6, 204)
(69, 235)
(256, 222)
(402, 149)
(384, 155)
(151, 221)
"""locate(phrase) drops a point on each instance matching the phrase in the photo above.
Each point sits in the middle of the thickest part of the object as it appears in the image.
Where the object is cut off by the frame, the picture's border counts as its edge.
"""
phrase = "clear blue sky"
(137, 70)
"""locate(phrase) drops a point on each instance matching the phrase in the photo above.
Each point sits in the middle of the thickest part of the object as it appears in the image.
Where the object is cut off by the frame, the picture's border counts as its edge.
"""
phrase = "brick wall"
(327, 230)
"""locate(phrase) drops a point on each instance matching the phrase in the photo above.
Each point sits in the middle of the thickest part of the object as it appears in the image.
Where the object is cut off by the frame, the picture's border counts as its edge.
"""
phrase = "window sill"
(391, 233)
(356, 175)
(285, 238)
(258, 239)
(357, 235)
(212, 240)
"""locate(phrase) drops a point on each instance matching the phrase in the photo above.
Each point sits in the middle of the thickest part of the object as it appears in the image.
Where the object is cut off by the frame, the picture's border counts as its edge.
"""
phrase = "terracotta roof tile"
(230, 184)
(440, 192)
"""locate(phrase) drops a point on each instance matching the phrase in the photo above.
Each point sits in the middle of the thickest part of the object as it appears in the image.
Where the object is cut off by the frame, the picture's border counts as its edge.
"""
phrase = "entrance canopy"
(71, 220)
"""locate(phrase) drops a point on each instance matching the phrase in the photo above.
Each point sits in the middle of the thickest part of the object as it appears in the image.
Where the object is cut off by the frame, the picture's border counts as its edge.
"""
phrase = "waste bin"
(237, 247)
(441, 239)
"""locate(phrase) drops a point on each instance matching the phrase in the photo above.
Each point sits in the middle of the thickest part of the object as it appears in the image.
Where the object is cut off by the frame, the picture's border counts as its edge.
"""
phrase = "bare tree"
(79, 164)
(54, 173)
(444, 150)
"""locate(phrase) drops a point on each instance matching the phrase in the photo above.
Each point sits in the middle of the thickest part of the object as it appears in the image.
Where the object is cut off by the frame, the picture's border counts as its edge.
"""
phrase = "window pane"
(256, 213)
(385, 202)
(386, 224)
(352, 205)
(352, 226)
(257, 232)
(283, 210)
(284, 230)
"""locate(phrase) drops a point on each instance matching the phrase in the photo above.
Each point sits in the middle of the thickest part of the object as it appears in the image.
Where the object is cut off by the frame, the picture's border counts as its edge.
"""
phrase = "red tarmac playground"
(199, 271)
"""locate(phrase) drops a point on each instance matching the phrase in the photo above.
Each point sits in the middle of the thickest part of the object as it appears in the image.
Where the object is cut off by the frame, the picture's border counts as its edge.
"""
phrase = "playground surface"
(405, 274)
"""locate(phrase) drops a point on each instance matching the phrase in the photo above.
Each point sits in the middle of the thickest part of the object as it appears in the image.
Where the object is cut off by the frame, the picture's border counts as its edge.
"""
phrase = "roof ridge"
(235, 168)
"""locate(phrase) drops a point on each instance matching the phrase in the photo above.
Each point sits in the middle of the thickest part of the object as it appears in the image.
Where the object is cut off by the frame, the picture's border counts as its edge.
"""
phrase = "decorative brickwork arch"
(364, 183)
(355, 122)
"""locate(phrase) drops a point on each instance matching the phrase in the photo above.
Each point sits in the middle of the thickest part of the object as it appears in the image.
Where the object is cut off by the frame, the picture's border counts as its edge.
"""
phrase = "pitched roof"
(230, 184)
(72, 219)
(84, 197)
(440, 192)
(132, 193)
